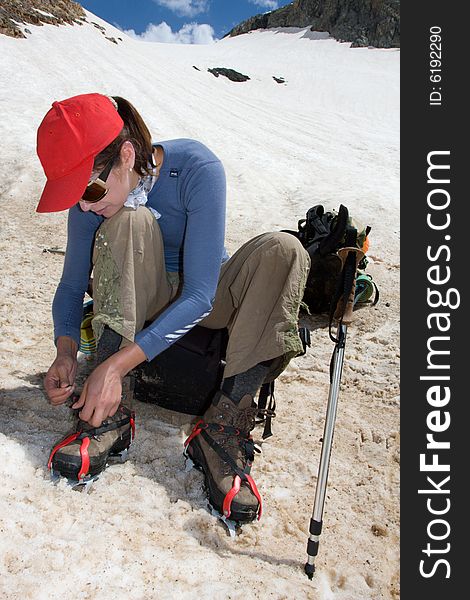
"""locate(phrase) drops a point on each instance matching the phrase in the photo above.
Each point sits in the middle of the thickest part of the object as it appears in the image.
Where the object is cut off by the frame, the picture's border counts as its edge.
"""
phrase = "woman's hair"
(134, 131)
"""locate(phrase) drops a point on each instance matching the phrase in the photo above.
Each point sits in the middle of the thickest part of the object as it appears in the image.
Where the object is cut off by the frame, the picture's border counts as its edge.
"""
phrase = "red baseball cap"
(71, 135)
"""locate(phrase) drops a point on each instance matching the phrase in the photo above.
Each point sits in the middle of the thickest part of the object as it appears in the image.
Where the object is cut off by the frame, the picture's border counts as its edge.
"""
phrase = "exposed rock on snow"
(229, 73)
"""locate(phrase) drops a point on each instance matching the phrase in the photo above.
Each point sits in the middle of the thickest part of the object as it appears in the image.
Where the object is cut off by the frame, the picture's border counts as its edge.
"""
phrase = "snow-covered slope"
(314, 138)
(329, 135)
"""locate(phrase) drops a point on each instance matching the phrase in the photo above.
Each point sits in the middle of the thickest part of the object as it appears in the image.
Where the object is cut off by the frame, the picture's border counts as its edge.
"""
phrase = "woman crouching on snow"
(149, 220)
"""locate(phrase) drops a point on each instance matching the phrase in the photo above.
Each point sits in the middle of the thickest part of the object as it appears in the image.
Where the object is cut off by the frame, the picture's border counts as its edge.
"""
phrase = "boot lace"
(237, 446)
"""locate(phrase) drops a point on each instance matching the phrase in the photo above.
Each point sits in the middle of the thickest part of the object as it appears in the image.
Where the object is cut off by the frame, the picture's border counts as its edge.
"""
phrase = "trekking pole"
(327, 443)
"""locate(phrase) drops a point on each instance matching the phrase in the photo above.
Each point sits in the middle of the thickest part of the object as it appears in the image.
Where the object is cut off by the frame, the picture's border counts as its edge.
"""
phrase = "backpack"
(324, 234)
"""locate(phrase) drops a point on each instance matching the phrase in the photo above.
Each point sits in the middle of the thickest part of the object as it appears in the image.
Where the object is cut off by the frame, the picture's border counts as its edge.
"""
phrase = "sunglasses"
(97, 190)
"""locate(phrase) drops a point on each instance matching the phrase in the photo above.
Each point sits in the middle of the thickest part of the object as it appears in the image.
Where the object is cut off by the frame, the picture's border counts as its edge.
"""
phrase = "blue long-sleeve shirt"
(190, 196)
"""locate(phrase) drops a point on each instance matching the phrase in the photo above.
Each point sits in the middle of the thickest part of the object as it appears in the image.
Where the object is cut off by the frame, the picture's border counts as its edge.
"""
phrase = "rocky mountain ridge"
(14, 14)
(362, 22)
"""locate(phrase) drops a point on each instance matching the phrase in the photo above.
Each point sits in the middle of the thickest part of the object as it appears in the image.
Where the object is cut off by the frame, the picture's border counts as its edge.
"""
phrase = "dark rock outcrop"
(27, 11)
(362, 22)
(229, 73)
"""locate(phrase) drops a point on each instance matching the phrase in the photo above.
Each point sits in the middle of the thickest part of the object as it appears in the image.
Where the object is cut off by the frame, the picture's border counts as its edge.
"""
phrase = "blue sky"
(178, 21)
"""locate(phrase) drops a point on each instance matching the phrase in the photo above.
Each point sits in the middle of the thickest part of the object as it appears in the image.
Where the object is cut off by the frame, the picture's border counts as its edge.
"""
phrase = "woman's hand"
(101, 394)
(102, 391)
(59, 382)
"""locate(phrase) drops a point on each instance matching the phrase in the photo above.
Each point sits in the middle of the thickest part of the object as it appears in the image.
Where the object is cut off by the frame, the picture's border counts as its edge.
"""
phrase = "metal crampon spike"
(84, 485)
(188, 464)
(232, 526)
(118, 458)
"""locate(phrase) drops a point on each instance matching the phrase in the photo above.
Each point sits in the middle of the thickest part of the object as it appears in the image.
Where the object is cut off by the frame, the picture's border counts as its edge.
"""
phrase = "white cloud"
(185, 8)
(271, 4)
(190, 33)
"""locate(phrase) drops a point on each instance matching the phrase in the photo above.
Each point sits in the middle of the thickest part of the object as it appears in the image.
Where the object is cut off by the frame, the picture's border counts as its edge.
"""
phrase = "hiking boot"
(84, 453)
(221, 445)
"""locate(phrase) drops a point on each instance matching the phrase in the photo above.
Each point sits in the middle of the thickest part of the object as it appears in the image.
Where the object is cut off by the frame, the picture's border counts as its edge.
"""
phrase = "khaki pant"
(258, 295)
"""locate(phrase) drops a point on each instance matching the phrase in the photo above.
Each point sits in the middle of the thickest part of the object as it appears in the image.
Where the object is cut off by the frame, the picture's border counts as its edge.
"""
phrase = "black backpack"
(185, 377)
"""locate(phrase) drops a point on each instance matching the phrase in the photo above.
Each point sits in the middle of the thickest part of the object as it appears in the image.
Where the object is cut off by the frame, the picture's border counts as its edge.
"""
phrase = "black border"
(424, 129)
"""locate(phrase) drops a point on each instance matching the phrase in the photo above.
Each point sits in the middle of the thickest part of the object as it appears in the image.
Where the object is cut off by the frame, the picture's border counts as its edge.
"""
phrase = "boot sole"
(239, 512)
(69, 465)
